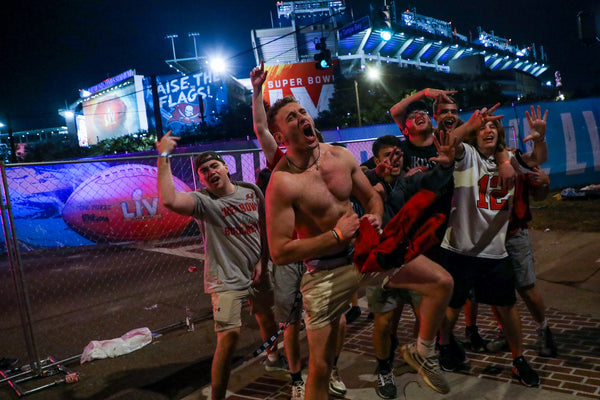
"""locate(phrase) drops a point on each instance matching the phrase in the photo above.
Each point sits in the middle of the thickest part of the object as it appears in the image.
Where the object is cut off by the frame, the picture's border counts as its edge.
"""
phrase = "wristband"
(164, 154)
(337, 233)
(505, 162)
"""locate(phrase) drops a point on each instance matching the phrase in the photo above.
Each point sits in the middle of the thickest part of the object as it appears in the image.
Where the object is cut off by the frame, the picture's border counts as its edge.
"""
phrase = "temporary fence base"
(25, 381)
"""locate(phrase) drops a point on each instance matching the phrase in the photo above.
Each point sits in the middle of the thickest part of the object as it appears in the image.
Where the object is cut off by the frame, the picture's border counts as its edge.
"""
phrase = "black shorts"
(492, 280)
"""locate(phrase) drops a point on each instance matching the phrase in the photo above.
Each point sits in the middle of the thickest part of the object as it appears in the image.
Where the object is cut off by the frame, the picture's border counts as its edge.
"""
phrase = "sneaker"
(497, 344)
(428, 368)
(353, 313)
(477, 344)
(547, 347)
(8, 363)
(524, 373)
(449, 360)
(386, 388)
(297, 390)
(280, 364)
(336, 386)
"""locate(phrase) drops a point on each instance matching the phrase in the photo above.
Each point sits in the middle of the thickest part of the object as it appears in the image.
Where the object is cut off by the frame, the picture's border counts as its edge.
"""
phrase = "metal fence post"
(15, 264)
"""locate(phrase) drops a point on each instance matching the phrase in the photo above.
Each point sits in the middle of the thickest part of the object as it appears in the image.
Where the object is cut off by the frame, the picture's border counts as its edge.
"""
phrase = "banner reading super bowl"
(187, 101)
(311, 87)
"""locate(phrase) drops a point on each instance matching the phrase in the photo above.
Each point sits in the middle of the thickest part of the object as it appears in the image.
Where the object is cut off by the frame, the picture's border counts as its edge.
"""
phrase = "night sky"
(51, 49)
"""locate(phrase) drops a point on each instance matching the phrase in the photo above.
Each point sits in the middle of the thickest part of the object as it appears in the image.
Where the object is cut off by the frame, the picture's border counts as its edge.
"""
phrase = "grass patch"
(566, 215)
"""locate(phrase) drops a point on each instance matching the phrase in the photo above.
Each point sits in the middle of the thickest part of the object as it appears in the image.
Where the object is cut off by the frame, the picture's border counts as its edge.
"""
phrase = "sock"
(272, 355)
(296, 376)
(384, 366)
(426, 348)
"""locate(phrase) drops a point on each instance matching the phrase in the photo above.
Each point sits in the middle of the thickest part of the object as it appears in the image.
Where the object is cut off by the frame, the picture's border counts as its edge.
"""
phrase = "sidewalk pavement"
(567, 266)
(575, 373)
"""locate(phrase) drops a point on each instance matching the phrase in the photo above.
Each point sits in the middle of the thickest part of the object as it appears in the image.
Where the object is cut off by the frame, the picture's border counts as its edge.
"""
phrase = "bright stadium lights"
(218, 65)
(373, 73)
(386, 35)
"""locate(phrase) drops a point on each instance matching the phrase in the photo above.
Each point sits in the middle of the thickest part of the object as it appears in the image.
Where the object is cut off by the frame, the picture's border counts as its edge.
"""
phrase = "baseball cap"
(207, 156)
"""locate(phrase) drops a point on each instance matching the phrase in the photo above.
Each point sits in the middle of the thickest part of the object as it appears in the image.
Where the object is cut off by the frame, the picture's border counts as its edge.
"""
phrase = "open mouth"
(489, 139)
(449, 123)
(214, 179)
(309, 131)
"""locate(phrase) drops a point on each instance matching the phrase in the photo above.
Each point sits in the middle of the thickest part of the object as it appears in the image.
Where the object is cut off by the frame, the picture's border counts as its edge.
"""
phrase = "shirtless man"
(309, 193)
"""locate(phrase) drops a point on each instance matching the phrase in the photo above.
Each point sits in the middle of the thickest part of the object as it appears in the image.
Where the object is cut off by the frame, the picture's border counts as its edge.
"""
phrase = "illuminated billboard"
(115, 111)
(312, 88)
(188, 101)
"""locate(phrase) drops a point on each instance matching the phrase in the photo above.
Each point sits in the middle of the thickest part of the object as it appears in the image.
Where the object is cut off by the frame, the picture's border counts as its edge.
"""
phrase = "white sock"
(272, 356)
(426, 348)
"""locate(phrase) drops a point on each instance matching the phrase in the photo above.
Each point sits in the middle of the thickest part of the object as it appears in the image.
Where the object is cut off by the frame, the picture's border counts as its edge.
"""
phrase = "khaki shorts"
(327, 293)
(227, 306)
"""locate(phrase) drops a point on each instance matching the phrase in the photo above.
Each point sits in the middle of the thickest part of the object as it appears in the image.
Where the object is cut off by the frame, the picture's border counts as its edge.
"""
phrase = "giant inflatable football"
(122, 204)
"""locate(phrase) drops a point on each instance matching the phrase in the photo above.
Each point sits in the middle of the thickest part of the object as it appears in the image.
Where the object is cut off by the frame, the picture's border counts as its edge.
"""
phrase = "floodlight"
(373, 73)
(386, 35)
(218, 65)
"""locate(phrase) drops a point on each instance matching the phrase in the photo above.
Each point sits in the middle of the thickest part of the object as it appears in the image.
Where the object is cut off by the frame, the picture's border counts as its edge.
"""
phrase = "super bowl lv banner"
(311, 87)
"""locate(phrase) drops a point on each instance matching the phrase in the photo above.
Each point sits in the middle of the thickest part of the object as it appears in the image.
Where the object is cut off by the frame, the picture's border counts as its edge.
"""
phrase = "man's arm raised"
(267, 142)
(477, 119)
(181, 203)
(399, 109)
(537, 134)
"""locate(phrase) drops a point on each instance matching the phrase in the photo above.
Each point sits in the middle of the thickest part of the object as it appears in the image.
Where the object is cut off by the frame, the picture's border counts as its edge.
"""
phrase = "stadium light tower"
(173, 37)
(193, 35)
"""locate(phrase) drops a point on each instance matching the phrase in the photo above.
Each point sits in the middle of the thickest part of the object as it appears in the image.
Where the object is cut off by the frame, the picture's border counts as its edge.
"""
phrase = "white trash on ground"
(131, 341)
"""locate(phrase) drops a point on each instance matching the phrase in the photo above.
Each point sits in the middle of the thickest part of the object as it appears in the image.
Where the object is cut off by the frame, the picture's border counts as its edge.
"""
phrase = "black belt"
(331, 261)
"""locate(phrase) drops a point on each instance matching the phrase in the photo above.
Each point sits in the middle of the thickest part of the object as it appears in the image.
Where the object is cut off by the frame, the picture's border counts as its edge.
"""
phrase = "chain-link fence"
(91, 252)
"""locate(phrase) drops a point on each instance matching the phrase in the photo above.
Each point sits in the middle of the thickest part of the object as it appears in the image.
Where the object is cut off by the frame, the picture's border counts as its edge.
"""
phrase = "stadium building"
(386, 36)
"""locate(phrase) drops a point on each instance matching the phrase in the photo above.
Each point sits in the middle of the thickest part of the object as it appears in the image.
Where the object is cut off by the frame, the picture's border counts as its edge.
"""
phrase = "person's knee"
(382, 321)
(319, 366)
(526, 291)
(443, 283)
(228, 339)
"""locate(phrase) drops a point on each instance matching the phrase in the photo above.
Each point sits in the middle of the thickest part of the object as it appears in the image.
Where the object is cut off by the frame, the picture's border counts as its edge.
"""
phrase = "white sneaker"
(336, 386)
(297, 390)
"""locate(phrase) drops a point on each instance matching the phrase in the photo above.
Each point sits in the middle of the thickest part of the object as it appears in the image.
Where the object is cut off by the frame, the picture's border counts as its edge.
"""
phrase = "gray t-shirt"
(232, 241)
